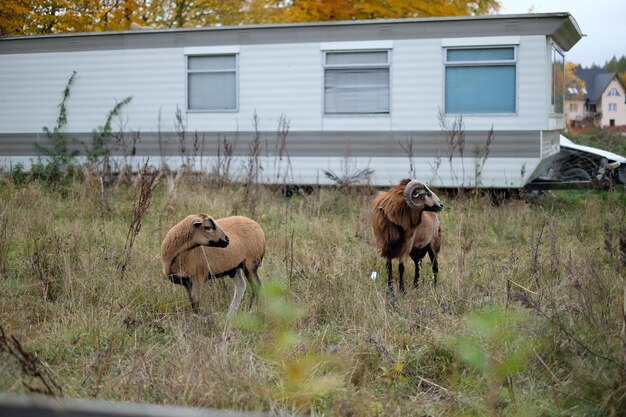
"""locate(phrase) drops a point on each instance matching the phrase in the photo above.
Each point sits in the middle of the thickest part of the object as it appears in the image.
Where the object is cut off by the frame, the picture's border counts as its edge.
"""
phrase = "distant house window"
(612, 107)
(356, 82)
(613, 92)
(480, 80)
(558, 80)
(573, 107)
(212, 82)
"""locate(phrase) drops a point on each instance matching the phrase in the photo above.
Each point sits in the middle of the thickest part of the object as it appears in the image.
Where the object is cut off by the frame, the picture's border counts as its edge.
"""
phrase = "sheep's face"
(205, 232)
(418, 196)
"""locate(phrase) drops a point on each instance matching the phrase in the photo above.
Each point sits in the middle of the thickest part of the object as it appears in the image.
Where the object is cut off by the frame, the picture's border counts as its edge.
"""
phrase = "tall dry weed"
(5, 241)
(148, 180)
(36, 377)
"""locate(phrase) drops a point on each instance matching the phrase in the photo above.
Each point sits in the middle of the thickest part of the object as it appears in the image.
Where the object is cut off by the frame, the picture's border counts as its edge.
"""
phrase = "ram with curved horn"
(405, 224)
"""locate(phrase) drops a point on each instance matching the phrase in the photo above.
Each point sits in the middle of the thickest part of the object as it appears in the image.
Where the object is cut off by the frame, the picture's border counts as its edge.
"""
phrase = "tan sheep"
(193, 231)
(240, 260)
(404, 222)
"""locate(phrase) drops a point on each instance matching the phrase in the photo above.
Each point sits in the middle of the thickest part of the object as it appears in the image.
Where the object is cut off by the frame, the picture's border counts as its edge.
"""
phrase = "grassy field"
(600, 138)
(526, 320)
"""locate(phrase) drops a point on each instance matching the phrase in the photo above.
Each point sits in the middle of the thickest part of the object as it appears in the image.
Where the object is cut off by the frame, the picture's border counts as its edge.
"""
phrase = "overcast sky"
(602, 21)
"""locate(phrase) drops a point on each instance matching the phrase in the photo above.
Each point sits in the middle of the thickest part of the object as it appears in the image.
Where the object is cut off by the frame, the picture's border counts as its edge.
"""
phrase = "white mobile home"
(379, 96)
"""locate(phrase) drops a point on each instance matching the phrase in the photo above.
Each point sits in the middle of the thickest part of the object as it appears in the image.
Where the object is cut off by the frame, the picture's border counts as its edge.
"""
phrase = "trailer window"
(356, 82)
(212, 82)
(558, 80)
(480, 80)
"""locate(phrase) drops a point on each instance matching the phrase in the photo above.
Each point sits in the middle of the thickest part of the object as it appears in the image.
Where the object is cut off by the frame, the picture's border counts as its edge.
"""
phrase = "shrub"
(18, 174)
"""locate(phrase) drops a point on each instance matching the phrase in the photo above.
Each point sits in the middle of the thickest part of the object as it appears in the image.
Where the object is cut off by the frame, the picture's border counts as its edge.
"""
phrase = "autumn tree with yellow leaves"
(22, 17)
(12, 17)
(574, 83)
(269, 11)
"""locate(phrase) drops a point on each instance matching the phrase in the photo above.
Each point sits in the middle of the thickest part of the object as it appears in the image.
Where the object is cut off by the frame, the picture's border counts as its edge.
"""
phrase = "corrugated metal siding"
(273, 80)
(366, 143)
(533, 84)
(279, 79)
(417, 77)
(310, 153)
(550, 142)
(439, 172)
(30, 97)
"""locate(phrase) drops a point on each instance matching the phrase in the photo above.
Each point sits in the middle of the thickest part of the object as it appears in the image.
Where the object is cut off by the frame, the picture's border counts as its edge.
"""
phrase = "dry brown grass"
(322, 339)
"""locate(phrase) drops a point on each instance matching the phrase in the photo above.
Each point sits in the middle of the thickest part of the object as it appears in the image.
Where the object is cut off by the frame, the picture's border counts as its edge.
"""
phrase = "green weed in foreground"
(496, 344)
(303, 377)
(526, 321)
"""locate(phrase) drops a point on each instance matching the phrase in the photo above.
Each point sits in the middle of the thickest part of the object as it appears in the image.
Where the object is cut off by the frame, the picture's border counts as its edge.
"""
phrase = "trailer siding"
(274, 80)
(280, 76)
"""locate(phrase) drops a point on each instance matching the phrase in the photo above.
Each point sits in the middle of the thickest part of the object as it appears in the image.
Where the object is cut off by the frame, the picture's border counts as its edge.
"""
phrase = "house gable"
(604, 99)
(613, 103)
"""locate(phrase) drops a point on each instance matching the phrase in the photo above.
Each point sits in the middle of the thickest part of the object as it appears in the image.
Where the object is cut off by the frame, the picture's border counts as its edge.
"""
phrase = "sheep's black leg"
(390, 281)
(185, 282)
(189, 286)
(391, 297)
(433, 260)
(416, 278)
(389, 277)
(417, 255)
(401, 278)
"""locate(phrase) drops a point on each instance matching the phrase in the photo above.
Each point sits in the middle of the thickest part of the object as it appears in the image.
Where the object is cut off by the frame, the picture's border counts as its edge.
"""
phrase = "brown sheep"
(405, 224)
(239, 260)
(193, 231)
(427, 241)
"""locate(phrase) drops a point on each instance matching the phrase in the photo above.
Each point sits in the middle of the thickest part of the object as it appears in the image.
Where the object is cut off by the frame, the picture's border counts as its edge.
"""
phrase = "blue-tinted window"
(482, 54)
(480, 80)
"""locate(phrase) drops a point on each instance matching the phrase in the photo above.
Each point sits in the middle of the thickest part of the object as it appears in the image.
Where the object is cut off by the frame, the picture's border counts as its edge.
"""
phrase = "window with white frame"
(558, 80)
(480, 80)
(212, 82)
(613, 92)
(612, 107)
(356, 82)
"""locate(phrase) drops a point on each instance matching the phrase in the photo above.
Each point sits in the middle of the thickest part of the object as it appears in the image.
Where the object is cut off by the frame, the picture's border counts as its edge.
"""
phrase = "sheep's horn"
(408, 192)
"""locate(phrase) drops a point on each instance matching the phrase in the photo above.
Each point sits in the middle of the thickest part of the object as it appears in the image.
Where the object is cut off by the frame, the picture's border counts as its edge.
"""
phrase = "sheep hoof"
(205, 317)
(391, 298)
